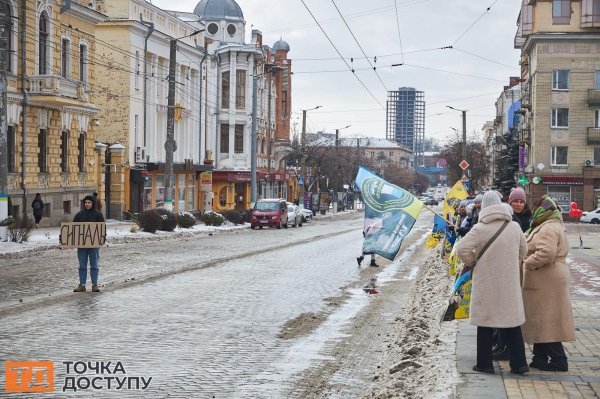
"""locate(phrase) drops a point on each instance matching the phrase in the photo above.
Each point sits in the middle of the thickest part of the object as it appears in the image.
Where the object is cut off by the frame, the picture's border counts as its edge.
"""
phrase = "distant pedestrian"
(494, 248)
(521, 212)
(88, 214)
(546, 280)
(38, 209)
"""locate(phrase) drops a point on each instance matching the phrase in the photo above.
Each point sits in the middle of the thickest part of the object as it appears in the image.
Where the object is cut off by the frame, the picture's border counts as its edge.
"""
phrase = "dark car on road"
(269, 212)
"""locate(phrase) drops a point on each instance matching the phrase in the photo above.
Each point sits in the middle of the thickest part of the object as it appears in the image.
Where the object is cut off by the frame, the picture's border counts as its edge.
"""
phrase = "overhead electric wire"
(398, 24)
(359, 46)
(484, 58)
(341, 56)
(473, 24)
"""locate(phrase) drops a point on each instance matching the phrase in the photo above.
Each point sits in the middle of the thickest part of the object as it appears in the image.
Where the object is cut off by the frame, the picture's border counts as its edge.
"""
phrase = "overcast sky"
(485, 52)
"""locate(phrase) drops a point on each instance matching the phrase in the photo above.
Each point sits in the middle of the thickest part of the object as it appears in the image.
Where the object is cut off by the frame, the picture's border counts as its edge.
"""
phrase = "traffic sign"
(300, 181)
(464, 165)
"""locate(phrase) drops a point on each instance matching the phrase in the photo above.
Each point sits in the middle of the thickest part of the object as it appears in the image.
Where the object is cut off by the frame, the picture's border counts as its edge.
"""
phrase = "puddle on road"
(307, 350)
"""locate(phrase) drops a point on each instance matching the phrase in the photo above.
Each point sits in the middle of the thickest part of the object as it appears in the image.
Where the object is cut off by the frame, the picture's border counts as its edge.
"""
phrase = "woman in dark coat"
(521, 212)
(38, 208)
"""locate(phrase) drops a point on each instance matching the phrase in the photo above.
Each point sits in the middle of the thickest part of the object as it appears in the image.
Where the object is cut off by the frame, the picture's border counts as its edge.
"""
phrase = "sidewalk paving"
(583, 378)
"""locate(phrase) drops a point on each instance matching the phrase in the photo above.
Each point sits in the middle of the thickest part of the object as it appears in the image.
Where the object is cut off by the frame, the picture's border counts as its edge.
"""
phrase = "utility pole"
(253, 141)
(3, 144)
(170, 143)
(303, 150)
(25, 103)
(464, 131)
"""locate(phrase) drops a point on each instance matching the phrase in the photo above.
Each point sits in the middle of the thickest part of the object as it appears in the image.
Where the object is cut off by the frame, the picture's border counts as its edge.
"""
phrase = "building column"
(116, 196)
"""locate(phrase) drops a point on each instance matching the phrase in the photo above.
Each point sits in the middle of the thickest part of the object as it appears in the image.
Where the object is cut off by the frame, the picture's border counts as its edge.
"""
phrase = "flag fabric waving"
(390, 213)
(437, 232)
(454, 196)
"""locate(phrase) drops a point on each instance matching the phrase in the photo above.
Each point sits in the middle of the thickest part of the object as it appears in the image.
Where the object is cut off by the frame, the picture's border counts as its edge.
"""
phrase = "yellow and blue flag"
(437, 232)
(454, 196)
(390, 213)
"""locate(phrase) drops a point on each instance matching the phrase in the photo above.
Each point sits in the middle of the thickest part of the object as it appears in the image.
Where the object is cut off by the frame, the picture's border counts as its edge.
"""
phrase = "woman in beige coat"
(496, 300)
(546, 288)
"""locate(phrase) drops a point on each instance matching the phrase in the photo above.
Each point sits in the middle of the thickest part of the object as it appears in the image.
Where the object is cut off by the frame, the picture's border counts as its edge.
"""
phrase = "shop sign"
(239, 177)
(563, 180)
(206, 181)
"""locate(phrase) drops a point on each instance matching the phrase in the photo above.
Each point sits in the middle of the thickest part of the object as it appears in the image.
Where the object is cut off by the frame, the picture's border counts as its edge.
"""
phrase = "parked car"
(306, 214)
(431, 201)
(269, 212)
(592, 217)
(294, 215)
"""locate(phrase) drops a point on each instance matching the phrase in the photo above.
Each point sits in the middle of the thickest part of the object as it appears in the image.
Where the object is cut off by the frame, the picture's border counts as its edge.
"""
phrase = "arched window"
(262, 146)
(44, 33)
(5, 35)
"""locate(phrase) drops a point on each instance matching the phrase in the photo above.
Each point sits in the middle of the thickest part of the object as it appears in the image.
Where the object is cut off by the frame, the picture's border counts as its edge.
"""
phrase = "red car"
(269, 212)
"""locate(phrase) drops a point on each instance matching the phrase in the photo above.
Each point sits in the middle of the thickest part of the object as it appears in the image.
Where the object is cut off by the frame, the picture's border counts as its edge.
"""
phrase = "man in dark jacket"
(88, 214)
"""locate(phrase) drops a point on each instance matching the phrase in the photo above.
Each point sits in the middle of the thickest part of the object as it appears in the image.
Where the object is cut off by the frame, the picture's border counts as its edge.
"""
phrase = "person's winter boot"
(373, 263)
(95, 288)
(360, 259)
(80, 288)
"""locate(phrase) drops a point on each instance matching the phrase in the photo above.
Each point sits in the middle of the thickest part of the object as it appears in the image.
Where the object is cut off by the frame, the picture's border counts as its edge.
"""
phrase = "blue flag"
(390, 213)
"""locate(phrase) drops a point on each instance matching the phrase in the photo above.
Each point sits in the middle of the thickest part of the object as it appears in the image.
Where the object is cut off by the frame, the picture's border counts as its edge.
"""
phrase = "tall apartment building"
(560, 66)
(405, 121)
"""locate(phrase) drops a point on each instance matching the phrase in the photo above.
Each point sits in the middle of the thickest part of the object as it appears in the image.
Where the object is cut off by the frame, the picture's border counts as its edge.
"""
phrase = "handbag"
(486, 246)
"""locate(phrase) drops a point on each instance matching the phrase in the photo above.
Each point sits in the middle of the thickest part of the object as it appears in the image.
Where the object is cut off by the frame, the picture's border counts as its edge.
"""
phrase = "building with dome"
(230, 68)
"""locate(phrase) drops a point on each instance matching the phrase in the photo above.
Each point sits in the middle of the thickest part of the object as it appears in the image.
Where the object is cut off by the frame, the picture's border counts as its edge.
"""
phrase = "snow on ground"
(119, 232)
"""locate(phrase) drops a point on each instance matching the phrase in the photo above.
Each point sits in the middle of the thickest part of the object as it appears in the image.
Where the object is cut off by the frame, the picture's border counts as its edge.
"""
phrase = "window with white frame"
(43, 43)
(560, 79)
(83, 56)
(596, 155)
(6, 35)
(560, 117)
(559, 155)
(65, 60)
(561, 11)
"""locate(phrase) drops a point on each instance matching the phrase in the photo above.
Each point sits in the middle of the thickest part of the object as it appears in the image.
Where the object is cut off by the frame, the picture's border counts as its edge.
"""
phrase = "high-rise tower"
(405, 122)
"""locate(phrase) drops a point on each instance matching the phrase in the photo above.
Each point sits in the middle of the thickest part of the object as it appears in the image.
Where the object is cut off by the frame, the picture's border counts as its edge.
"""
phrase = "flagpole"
(435, 213)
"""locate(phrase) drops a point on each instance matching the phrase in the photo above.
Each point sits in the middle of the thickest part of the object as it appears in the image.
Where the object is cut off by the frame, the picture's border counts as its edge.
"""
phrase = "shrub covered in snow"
(212, 219)
(149, 221)
(237, 217)
(19, 229)
(186, 220)
(169, 219)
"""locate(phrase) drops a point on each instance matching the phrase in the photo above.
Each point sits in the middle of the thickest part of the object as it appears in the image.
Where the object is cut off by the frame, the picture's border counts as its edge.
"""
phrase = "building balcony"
(593, 135)
(590, 14)
(593, 97)
(526, 136)
(526, 100)
(56, 90)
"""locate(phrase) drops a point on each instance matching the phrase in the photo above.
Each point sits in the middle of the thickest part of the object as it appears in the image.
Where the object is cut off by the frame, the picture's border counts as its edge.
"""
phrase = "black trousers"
(549, 352)
(514, 340)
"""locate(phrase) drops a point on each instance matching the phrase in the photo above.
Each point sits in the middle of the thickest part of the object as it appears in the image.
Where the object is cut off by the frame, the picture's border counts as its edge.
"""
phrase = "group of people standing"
(520, 289)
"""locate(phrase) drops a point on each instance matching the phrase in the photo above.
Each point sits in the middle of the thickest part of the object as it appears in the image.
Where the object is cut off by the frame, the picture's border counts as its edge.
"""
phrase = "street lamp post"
(337, 169)
(303, 165)
(464, 130)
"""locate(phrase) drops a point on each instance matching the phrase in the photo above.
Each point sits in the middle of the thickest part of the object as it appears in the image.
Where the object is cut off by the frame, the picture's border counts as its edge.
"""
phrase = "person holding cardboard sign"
(88, 214)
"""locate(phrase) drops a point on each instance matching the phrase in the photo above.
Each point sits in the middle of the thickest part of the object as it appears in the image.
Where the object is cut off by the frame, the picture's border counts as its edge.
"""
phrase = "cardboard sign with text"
(82, 234)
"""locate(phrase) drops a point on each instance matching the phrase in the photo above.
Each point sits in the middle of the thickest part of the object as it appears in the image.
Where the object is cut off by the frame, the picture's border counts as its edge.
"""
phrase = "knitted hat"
(478, 198)
(464, 203)
(490, 198)
(516, 194)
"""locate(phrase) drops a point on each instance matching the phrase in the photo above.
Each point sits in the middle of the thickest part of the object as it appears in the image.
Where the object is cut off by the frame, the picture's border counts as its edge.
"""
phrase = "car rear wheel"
(595, 221)
(252, 226)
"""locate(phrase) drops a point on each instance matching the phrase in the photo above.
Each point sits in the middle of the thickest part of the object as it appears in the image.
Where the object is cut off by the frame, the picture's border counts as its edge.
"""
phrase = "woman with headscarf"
(496, 299)
(546, 280)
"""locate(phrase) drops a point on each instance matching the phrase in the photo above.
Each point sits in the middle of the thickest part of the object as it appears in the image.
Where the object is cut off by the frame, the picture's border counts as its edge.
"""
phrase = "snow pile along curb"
(419, 362)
